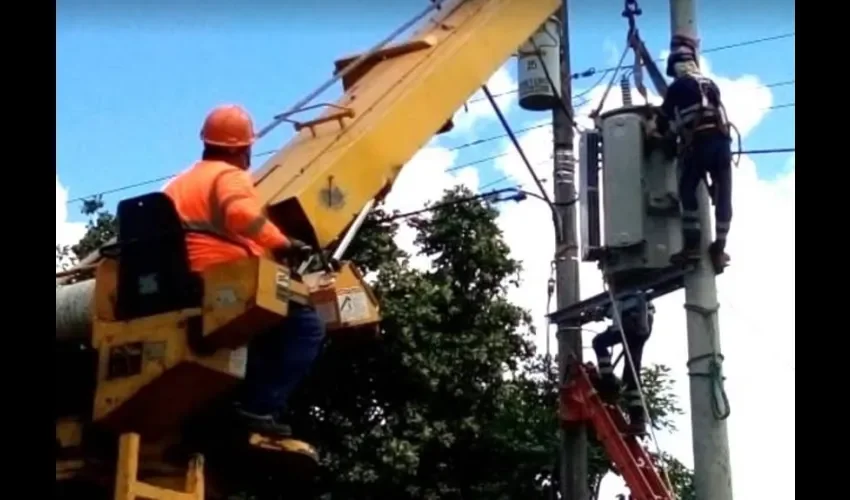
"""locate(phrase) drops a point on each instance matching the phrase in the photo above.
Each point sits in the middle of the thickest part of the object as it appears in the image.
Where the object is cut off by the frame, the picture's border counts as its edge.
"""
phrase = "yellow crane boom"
(394, 102)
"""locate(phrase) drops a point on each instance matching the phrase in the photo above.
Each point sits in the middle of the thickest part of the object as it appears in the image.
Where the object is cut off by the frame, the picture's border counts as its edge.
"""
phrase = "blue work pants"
(279, 359)
(709, 153)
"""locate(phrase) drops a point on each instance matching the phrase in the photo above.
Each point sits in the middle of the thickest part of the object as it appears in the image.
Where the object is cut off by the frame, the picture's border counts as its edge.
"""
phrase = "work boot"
(690, 249)
(263, 424)
(609, 388)
(719, 258)
(637, 421)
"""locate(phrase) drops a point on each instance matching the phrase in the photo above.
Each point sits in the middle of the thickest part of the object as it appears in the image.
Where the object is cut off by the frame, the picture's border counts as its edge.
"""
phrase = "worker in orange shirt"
(224, 220)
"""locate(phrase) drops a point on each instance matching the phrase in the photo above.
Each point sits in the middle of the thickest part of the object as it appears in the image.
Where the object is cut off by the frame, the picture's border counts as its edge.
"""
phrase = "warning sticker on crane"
(281, 284)
(353, 305)
(224, 297)
(238, 362)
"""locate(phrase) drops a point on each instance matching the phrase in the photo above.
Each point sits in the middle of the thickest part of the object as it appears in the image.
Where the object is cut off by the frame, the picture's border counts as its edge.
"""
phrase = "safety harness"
(706, 114)
(215, 226)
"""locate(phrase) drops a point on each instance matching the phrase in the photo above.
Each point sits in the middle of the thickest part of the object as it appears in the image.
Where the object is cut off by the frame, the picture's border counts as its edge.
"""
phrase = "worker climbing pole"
(693, 112)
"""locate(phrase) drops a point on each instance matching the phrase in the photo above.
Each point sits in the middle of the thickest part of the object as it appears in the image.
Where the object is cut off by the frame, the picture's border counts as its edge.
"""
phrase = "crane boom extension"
(393, 104)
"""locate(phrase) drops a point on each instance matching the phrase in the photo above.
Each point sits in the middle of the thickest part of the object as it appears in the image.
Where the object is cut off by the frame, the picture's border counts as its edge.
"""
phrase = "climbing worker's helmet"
(679, 57)
(682, 49)
(228, 126)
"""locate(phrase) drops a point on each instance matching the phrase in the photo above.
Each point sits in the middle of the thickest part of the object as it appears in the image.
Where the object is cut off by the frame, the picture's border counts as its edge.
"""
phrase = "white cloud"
(756, 294)
(67, 233)
(422, 180)
(613, 51)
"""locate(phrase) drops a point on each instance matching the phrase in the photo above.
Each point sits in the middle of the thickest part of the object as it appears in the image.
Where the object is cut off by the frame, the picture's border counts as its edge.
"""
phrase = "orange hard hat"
(228, 126)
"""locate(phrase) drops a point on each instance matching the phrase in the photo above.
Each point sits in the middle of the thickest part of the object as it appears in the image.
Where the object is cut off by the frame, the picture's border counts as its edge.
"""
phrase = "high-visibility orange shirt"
(219, 199)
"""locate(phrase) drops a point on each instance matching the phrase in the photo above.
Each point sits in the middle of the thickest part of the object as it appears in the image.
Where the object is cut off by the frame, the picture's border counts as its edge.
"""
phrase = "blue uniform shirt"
(632, 304)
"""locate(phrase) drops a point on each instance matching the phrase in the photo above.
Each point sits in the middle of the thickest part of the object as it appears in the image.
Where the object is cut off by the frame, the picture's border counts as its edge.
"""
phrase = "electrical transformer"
(539, 62)
(639, 212)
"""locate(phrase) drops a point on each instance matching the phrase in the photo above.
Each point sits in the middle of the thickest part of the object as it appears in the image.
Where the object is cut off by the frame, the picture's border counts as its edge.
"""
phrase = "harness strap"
(216, 225)
(703, 115)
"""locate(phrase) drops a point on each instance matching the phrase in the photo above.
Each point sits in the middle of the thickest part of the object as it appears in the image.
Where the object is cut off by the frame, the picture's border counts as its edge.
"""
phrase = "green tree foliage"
(451, 401)
(680, 476)
(100, 227)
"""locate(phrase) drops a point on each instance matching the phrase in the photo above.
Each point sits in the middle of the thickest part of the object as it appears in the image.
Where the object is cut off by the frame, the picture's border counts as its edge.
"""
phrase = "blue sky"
(134, 83)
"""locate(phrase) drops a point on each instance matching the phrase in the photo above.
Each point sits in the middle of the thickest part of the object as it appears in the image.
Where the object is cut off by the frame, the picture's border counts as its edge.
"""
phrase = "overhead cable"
(453, 148)
(603, 72)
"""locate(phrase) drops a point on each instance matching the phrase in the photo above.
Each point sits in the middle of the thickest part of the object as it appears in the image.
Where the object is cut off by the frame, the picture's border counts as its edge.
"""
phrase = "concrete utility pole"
(573, 453)
(712, 470)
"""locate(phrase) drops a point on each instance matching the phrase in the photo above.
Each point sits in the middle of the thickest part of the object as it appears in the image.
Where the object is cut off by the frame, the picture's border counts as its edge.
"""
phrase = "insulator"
(626, 90)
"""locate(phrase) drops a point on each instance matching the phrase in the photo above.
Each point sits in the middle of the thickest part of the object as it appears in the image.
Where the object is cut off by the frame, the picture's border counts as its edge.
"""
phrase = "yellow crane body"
(142, 362)
(156, 370)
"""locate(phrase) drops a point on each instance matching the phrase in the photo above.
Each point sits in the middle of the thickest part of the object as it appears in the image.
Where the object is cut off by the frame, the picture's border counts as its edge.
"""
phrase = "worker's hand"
(296, 249)
(299, 249)
(298, 245)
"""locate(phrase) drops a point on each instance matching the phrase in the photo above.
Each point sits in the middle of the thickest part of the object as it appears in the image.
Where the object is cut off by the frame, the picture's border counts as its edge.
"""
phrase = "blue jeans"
(279, 359)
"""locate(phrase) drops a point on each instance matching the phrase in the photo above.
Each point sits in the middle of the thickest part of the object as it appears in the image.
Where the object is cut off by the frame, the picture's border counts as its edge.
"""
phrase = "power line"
(783, 106)
(593, 71)
(590, 88)
(765, 151)
(453, 148)
(517, 194)
(499, 136)
(750, 42)
(451, 169)
(720, 48)
(498, 181)
(507, 153)
(542, 125)
(122, 188)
